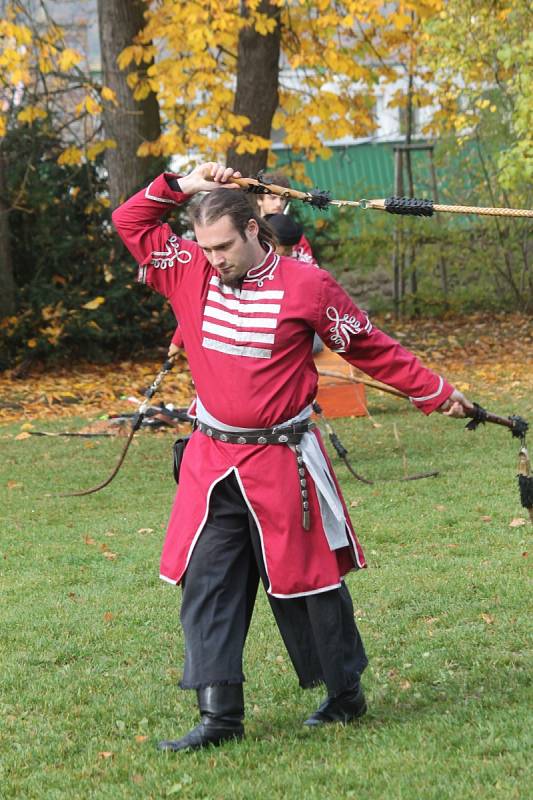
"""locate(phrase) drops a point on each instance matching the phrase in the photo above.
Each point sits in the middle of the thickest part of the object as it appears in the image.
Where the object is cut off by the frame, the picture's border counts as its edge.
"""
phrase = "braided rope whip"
(406, 206)
(413, 207)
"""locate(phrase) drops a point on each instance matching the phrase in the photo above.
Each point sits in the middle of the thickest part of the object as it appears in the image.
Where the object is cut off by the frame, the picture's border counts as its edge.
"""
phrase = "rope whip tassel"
(405, 206)
(135, 425)
(525, 481)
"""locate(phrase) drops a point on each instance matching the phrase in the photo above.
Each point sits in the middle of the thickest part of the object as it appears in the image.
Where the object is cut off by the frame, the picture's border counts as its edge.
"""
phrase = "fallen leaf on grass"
(488, 619)
(14, 485)
(145, 530)
(111, 556)
(486, 519)
(23, 435)
(404, 685)
(440, 508)
(517, 522)
(141, 738)
(108, 616)
(106, 754)
(92, 305)
(137, 779)
(89, 540)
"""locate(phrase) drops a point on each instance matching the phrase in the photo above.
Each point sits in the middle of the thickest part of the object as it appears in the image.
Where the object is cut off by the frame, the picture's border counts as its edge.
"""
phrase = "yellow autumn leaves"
(336, 56)
(25, 58)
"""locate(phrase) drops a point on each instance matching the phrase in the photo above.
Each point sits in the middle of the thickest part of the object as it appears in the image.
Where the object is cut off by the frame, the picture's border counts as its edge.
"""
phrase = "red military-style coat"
(250, 355)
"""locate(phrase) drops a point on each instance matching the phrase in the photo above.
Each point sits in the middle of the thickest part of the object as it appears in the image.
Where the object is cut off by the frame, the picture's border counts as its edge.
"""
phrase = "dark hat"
(287, 230)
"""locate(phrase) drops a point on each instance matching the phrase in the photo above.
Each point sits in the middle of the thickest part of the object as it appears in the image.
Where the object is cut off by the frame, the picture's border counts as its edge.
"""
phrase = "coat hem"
(305, 594)
(167, 580)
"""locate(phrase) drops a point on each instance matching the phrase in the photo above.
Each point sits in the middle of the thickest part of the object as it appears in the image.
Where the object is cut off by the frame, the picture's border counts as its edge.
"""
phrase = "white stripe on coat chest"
(237, 320)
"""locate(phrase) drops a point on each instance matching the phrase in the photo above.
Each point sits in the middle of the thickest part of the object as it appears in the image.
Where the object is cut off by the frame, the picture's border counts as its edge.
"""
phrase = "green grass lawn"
(91, 647)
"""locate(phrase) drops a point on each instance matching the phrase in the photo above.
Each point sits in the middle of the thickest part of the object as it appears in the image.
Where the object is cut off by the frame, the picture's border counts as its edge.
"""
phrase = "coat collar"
(264, 271)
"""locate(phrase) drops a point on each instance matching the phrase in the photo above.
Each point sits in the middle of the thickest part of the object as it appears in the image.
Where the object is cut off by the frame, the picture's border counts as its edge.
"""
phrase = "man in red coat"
(257, 497)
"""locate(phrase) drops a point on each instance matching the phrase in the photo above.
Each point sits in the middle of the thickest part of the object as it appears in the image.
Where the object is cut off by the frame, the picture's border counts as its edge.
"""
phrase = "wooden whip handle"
(270, 188)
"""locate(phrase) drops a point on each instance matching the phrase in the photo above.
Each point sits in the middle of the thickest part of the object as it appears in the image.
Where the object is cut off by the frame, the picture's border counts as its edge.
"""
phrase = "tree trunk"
(131, 122)
(7, 282)
(256, 94)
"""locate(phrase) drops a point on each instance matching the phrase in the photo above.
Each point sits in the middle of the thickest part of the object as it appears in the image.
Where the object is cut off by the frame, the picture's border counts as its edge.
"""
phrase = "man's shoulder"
(297, 263)
(300, 274)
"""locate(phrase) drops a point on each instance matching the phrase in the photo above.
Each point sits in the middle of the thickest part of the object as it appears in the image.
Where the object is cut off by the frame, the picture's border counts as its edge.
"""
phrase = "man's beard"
(233, 283)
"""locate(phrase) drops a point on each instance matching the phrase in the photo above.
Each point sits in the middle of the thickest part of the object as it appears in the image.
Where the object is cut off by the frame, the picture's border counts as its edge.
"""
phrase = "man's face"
(271, 204)
(226, 250)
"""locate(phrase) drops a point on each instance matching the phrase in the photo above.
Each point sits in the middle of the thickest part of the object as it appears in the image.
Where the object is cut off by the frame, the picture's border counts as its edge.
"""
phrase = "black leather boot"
(343, 708)
(221, 712)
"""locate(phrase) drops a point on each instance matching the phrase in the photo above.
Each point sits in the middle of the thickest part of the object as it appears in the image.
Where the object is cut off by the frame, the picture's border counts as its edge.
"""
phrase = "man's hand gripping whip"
(135, 425)
(406, 206)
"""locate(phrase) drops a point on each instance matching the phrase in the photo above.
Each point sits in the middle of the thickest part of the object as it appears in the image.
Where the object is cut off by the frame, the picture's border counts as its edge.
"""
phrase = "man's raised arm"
(139, 221)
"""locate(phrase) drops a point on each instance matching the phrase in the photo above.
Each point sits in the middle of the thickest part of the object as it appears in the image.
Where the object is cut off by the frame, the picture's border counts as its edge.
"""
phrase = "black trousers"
(219, 591)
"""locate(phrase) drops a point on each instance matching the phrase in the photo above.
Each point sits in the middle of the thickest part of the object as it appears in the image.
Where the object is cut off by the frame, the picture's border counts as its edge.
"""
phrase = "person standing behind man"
(274, 204)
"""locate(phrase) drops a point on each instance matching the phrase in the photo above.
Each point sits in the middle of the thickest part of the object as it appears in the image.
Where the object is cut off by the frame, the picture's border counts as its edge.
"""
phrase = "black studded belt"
(289, 434)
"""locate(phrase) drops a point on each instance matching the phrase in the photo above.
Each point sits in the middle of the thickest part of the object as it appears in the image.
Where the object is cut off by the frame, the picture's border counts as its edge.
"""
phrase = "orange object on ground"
(337, 397)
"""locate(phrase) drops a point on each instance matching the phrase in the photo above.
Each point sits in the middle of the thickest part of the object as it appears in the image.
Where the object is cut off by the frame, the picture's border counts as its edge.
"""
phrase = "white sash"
(331, 509)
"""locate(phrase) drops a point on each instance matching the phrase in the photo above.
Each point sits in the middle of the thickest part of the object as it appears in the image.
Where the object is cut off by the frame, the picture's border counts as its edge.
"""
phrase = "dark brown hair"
(234, 204)
(279, 179)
